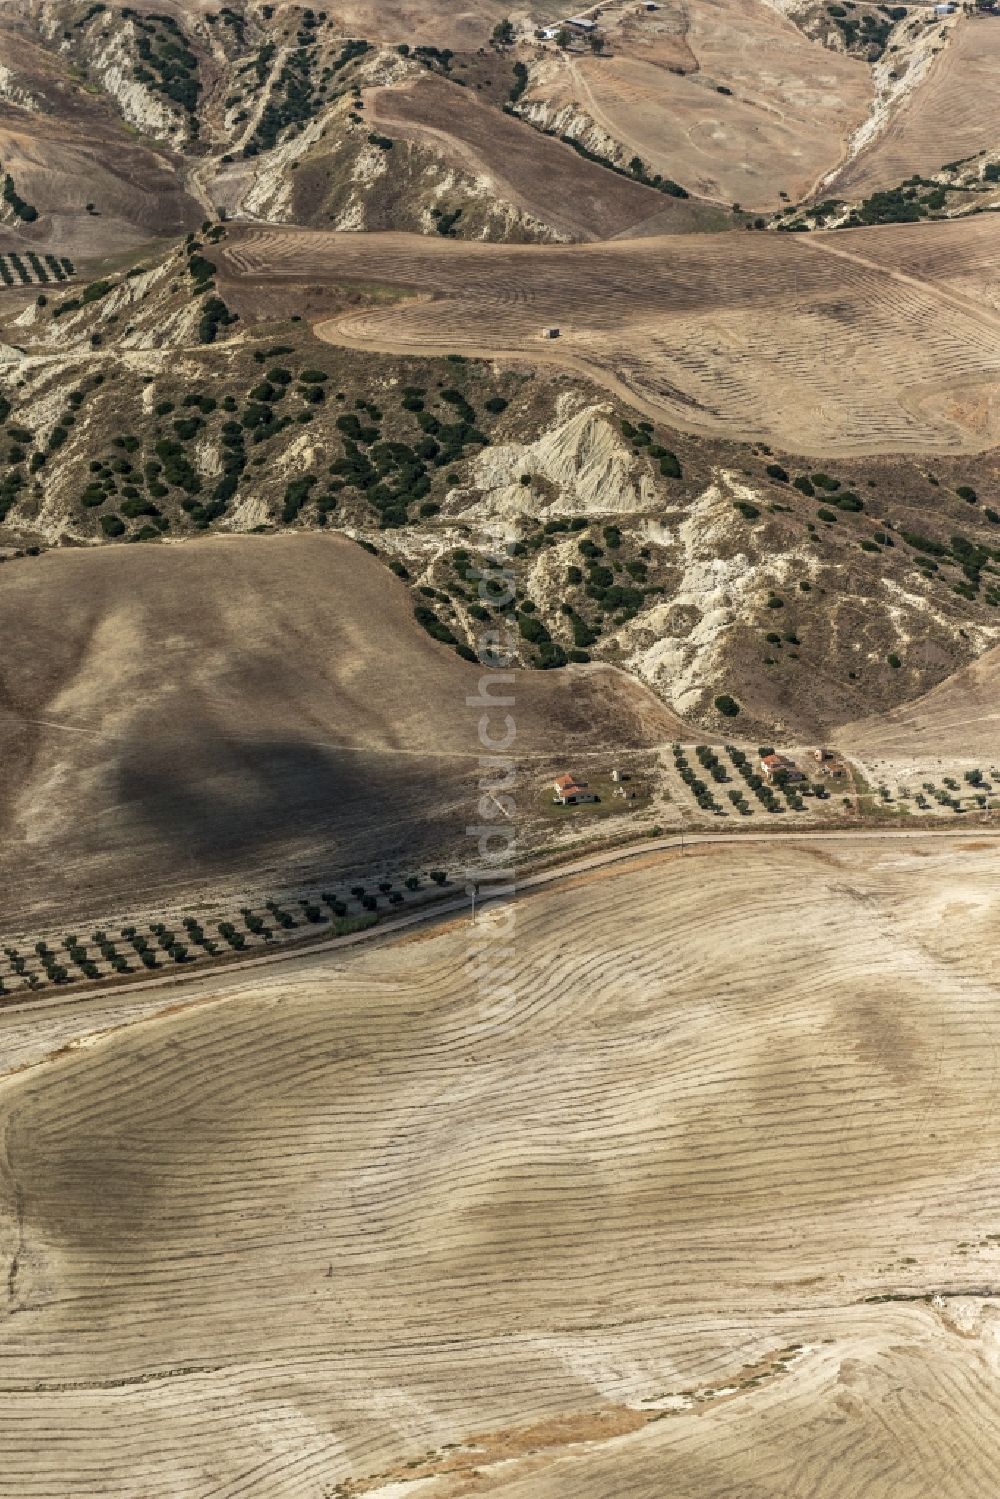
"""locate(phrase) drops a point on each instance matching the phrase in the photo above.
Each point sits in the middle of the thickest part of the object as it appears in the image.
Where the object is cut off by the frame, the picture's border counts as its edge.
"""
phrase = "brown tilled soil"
(578, 198)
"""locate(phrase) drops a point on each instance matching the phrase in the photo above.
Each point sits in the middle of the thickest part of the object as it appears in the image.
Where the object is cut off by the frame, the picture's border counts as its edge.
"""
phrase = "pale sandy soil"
(327, 1219)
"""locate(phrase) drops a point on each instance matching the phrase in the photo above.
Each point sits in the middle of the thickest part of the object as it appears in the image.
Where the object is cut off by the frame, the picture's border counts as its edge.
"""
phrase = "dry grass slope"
(961, 716)
(544, 178)
(784, 121)
(65, 147)
(439, 23)
(317, 1223)
(237, 710)
(946, 118)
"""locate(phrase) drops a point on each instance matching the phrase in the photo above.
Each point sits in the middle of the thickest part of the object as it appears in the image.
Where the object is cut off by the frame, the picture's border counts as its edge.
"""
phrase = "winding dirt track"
(845, 344)
(615, 1232)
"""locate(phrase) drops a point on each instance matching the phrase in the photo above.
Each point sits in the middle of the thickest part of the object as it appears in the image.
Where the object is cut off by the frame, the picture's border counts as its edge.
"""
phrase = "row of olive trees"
(134, 951)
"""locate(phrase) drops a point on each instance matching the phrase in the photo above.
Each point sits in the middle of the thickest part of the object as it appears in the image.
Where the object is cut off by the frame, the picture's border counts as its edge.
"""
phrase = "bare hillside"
(940, 119)
(180, 396)
(231, 713)
(961, 716)
(580, 199)
(81, 183)
(343, 349)
(730, 99)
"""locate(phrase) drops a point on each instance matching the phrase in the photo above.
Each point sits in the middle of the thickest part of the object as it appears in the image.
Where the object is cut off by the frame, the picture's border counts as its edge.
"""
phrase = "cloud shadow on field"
(227, 804)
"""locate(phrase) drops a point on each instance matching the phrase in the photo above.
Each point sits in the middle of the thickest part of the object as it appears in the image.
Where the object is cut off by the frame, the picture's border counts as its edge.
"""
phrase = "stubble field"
(338, 1224)
(782, 122)
(943, 119)
(822, 344)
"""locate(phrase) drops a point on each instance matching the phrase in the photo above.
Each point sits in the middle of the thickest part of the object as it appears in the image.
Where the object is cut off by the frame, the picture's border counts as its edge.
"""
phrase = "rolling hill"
(730, 99)
(704, 1205)
(960, 716)
(64, 146)
(630, 542)
(338, 346)
(221, 716)
(816, 343)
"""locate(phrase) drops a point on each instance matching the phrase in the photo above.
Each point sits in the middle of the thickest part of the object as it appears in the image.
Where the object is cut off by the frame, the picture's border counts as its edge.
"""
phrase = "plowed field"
(823, 344)
(624, 1231)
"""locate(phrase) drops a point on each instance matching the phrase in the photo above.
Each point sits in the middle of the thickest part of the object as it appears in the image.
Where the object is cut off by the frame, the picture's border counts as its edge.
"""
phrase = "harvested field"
(945, 118)
(960, 717)
(784, 122)
(541, 176)
(627, 1231)
(806, 341)
(240, 714)
(963, 261)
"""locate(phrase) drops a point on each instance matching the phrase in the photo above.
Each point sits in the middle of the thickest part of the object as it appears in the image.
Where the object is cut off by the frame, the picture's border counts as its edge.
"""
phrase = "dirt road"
(603, 862)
